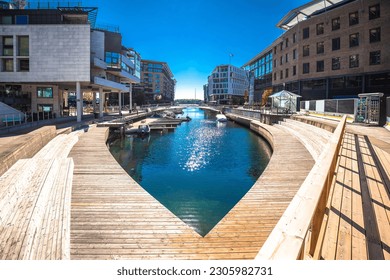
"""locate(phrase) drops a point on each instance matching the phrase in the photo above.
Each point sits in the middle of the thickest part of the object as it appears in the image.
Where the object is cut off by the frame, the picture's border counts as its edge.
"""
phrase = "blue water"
(199, 171)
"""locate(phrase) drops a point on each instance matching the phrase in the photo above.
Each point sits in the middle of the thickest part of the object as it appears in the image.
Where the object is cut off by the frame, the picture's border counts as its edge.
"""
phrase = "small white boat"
(221, 118)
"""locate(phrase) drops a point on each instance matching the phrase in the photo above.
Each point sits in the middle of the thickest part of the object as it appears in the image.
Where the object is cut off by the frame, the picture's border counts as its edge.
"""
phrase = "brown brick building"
(332, 49)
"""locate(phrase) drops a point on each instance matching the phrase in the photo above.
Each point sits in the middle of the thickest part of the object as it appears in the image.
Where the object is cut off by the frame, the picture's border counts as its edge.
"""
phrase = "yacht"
(221, 117)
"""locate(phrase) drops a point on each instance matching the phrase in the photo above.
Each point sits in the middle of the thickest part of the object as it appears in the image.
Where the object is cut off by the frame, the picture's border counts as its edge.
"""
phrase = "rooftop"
(304, 12)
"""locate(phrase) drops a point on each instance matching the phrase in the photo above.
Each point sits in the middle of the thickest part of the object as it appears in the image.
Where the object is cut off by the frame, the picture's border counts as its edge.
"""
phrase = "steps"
(35, 198)
(313, 138)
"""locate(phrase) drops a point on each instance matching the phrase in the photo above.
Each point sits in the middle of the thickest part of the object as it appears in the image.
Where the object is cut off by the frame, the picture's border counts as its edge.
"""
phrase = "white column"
(131, 97)
(101, 102)
(79, 102)
(120, 103)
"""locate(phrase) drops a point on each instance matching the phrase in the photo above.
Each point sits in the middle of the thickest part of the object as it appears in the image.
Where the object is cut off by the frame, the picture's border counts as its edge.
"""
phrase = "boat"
(221, 117)
(143, 129)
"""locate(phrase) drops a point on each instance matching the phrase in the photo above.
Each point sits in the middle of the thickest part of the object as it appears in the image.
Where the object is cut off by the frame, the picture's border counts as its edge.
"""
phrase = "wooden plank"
(359, 245)
(372, 234)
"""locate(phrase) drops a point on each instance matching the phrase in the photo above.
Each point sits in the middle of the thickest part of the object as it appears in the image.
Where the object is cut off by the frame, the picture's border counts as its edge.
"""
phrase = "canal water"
(199, 171)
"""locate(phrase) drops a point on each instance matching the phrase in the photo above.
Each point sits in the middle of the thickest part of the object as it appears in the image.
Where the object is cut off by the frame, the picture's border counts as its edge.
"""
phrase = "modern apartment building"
(226, 83)
(330, 49)
(157, 82)
(47, 53)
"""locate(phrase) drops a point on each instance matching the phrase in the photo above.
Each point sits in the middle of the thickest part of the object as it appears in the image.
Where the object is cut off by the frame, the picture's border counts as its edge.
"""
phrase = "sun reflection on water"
(201, 147)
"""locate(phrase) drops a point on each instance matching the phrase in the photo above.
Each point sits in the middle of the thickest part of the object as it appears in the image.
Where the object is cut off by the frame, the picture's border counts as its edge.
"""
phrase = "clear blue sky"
(194, 36)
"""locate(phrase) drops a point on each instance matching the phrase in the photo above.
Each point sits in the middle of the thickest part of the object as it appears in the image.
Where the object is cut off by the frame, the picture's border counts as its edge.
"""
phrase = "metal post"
(101, 102)
(93, 102)
(130, 97)
(120, 103)
(78, 102)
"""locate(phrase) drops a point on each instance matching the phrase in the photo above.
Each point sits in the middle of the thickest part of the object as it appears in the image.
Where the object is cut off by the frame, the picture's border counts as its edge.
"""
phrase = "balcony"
(96, 62)
(101, 82)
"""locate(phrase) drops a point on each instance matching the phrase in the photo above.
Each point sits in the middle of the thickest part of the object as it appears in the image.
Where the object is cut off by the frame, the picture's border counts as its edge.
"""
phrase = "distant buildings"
(48, 53)
(330, 49)
(228, 84)
(157, 82)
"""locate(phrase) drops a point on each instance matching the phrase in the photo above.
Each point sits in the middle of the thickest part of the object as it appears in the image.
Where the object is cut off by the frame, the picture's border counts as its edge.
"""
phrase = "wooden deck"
(357, 221)
(112, 217)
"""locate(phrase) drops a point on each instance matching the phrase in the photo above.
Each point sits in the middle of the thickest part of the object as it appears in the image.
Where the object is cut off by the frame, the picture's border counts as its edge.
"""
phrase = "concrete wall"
(24, 146)
(57, 53)
(97, 44)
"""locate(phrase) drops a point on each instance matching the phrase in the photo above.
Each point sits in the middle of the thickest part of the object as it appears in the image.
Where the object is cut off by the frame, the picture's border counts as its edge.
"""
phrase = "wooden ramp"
(112, 217)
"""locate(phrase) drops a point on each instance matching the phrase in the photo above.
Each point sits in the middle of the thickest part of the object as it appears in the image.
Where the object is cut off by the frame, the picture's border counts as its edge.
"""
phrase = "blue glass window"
(21, 19)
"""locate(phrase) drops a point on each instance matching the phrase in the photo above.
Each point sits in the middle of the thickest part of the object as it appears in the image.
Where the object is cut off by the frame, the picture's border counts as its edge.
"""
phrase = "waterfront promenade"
(112, 217)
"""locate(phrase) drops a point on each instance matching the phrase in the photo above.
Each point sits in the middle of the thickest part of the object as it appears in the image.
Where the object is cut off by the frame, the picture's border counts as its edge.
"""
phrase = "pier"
(105, 214)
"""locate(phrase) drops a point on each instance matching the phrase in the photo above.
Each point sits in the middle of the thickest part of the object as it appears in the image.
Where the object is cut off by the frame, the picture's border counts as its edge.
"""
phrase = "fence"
(334, 107)
(297, 232)
(7, 120)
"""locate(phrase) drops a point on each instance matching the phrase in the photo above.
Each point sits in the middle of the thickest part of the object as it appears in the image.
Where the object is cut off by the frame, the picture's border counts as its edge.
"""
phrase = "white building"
(227, 82)
(45, 54)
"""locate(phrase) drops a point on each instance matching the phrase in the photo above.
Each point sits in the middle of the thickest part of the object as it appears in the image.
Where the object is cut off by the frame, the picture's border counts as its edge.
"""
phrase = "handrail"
(296, 234)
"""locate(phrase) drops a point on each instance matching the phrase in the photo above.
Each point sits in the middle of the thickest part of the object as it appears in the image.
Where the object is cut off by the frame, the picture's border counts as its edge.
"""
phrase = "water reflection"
(200, 171)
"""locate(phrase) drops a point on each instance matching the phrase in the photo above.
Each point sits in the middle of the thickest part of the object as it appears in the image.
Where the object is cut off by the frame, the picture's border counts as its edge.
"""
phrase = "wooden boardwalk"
(357, 220)
(112, 217)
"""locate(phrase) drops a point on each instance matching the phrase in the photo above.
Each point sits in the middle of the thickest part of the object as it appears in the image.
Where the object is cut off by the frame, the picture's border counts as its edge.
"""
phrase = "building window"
(274, 76)
(354, 61)
(306, 33)
(375, 58)
(353, 18)
(354, 40)
(45, 92)
(8, 46)
(23, 46)
(24, 65)
(46, 108)
(8, 65)
(274, 50)
(113, 60)
(275, 63)
(337, 83)
(353, 82)
(281, 46)
(306, 50)
(294, 38)
(320, 47)
(281, 60)
(294, 53)
(336, 23)
(6, 20)
(335, 63)
(286, 57)
(306, 68)
(375, 35)
(374, 11)
(281, 74)
(320, 66)
(21, 19)
(294, 70)
(287, 73)
(286, 42)
(320, 28)
(335, 44)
